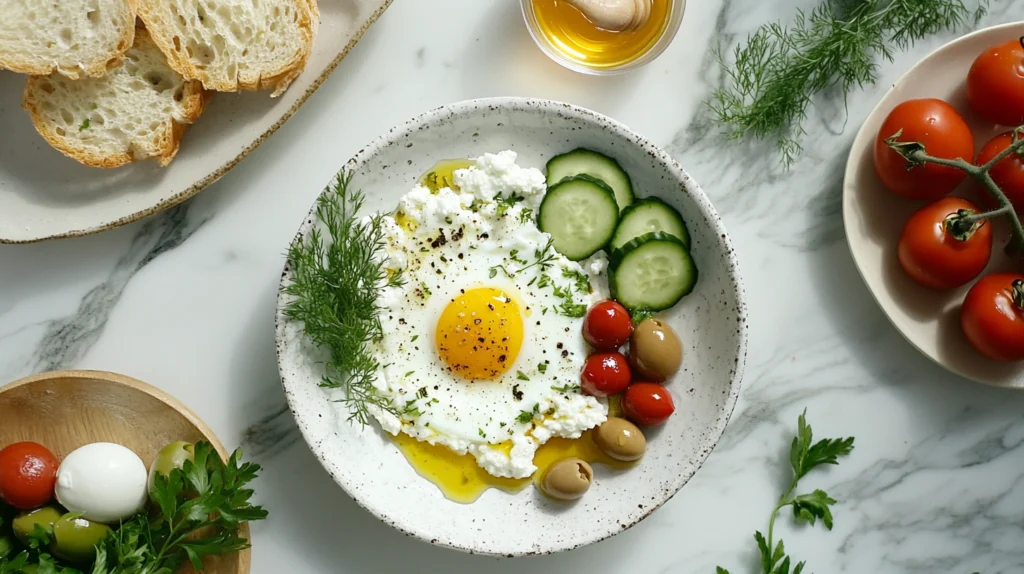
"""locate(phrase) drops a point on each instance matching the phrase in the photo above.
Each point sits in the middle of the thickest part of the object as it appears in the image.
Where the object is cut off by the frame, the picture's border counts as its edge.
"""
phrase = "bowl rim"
(849, 176)
(245, 555)
(439, 114)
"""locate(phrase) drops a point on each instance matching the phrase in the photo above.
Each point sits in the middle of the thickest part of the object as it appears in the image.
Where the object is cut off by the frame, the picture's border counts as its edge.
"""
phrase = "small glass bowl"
(675, 18)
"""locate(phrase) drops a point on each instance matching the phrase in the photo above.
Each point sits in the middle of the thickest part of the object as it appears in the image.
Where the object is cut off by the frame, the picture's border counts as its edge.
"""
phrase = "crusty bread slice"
(140, 110)
(232, 45)
(73, 37)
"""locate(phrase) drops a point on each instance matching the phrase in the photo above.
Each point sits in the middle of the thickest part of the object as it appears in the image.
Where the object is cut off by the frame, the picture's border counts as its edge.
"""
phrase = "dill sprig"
(335, 281)
(774, 76)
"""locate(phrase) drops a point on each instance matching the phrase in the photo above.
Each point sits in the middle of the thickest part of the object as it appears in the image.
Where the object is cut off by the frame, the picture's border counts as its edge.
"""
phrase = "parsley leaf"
(805, 455)
(524, 417)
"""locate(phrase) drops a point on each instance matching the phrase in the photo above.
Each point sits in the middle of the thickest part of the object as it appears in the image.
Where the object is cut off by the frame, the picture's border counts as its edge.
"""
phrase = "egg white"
(481, 248)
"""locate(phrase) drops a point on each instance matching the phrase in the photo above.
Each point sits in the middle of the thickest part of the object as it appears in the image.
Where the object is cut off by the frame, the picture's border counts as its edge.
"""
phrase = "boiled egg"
(103, 481)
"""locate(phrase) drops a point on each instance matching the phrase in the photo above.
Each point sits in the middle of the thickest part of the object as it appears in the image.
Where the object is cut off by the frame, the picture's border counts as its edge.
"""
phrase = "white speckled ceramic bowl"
(711, 322)
(874, 217)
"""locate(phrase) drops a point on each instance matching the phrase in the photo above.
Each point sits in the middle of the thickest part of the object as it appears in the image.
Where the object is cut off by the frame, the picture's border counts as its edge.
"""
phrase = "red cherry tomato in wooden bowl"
(28, 472)
(995, 83)
(605, 374)
(647, 404)
(935, 254)
(1008, 173)
(941, 130)
(607, 326)
(993, 317)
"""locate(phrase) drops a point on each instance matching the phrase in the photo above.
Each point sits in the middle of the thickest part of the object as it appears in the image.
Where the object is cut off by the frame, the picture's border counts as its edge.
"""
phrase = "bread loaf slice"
(73, 37)
(232, 45)
(140, 110)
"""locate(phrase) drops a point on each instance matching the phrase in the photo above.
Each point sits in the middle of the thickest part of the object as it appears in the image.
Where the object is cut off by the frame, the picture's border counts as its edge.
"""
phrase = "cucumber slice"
(589, 162)
(652, 272)
(580, 213)
(648, 215)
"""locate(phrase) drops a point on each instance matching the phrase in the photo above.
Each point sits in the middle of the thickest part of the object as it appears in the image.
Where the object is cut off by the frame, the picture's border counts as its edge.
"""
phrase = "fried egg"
(482, 347)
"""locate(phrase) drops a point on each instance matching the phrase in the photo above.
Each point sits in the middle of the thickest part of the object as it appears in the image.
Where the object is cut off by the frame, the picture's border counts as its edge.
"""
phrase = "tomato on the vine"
(993, 317)
(1008, 174)
(995, 83)
(28, 473)
(605, 374)
(943, 133)
(607, 326)
(938, 249)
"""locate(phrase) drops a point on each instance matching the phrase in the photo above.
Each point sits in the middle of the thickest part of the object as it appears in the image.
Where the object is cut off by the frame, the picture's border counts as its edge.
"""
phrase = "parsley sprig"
(804, 456)
(334, 287)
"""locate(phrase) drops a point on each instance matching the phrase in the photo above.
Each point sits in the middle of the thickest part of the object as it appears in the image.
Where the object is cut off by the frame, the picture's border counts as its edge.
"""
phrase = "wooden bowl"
(64, 410)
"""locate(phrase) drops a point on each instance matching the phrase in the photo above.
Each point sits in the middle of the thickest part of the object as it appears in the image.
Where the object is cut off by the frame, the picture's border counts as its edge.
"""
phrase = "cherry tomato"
(993, 317)
(995, 84)
(28, 472)
(1008, 173)
(605, 374)
(607, 326)
(941, 130)
(647, 404)
(936, 254)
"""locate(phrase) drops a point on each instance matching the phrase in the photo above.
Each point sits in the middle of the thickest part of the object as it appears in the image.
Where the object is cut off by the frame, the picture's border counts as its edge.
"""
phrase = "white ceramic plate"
(711, 322)
(44, 195)
(874, 217)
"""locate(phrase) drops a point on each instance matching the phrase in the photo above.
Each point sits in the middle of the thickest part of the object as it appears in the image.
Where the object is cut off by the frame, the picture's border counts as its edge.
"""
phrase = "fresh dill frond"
(336, 275)
(771, 80)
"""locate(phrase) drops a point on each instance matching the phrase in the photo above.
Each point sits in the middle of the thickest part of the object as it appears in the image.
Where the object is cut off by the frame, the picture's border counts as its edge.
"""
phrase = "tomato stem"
(915, 154)
(1017, 287)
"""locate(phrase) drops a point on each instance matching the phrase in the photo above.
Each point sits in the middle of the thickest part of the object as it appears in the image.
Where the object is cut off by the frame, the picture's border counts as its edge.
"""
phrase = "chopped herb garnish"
(581, 281)
(506, 203)
(422, 393)
(543, 367)
(482, 433)
(566, 389)
(85, 124)
(522, 376)
(409, 374)
(525, 215)
(414, 337)
(524, 417)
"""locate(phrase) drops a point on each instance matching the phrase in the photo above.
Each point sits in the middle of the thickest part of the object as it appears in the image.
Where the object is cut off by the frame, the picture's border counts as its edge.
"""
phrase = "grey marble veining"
(185, 300)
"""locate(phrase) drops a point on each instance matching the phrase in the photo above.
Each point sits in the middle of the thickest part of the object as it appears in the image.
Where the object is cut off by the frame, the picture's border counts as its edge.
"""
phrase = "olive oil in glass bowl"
(569, 37)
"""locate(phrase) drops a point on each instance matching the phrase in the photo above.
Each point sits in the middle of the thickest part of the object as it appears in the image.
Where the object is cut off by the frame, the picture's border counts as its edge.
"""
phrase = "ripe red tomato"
(605, 374)
(995, 84)
(647, 404)
(941, 130)
(28, 472)
(931, 252)
(607, 326)
(1008, 173)
(993, 317)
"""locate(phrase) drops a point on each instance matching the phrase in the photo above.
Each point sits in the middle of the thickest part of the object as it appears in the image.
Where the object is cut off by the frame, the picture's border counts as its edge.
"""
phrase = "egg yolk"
(480, 333)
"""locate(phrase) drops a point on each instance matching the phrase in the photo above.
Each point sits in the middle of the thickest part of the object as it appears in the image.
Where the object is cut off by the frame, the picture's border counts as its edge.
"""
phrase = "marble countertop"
(184, 300)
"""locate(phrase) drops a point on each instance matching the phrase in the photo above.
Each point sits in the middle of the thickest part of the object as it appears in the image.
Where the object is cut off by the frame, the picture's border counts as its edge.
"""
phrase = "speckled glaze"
(874, 217)
(44, 195)
(711, 322)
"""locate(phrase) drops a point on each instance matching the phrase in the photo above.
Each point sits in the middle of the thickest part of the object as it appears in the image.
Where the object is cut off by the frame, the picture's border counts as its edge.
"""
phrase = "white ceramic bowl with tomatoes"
(951, 298)
(711, 321)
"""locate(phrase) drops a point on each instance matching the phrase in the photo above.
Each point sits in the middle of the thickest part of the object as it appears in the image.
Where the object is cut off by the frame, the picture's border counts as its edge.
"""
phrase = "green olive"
(75, 539)
(169, 458)
(26, 524)
(655, 351)
(568, 479)
(620, 439)
(6, 546)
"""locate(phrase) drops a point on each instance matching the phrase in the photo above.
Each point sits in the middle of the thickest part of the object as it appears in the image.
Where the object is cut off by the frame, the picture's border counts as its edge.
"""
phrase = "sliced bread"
(140, 110)
(232, 45)
(73, 37)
